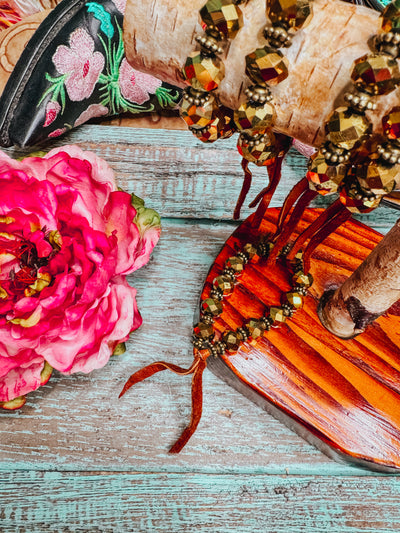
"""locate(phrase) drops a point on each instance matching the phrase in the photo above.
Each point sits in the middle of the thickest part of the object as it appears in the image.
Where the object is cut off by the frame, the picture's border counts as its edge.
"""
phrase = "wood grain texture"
(170, 503)
(55, 453)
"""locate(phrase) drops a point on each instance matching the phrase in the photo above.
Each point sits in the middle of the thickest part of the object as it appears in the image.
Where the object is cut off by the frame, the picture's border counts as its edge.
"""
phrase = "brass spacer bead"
(220, 347)
(334, 154)
(208, 319)
(277, 36)
(258, 94)
(243, 333)
(360, 102)
(266, 322)
(217, 294)
(209, 45)
(195, 97)
(388, 43)
(229, 273)
(243, 256)
(288, 309)
(389, 153)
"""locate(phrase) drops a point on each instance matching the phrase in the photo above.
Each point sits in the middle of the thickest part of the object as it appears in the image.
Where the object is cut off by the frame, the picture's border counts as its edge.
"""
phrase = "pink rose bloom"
(68, 238)
(81, 64)
(135, 86)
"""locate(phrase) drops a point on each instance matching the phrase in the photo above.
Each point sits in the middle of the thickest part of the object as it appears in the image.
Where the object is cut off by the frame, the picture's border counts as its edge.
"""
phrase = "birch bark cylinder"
(368, 293)
(159, 34)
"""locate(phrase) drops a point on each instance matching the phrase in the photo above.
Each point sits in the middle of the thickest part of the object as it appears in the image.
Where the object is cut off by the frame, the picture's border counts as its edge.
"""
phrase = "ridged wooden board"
(345, 393)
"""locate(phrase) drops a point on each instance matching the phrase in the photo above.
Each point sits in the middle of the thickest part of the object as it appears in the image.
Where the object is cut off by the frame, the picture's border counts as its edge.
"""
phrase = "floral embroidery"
(93, 111)
(57, 133)
(80, 64)
(135, 86)
(52, 110)
(103, 16)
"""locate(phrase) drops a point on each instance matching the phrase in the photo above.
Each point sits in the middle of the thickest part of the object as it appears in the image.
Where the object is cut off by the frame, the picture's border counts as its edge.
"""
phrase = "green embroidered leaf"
(103, 16)
(167, 97)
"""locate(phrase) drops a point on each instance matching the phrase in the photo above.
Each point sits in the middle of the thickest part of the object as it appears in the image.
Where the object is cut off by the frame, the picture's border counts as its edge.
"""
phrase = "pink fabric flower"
(135, 86)
(81, 64)
(52, 110)
(93, 111)
(68, 238)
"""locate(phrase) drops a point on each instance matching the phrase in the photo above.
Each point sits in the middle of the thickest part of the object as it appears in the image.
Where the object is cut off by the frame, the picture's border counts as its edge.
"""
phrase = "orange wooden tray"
(341, 395)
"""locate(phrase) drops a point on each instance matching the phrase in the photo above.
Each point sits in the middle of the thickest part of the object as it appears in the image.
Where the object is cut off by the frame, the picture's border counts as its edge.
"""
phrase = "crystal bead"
(267, 65)
(235, 263)
(203, 73)
(291, 13)
(255, 328)
(203, 331)
(250, 250)
(223, 283)
(254, 117)
(277, 315)
(375, 74)
(198, 116)
(210, 306)
(223, 15)
(377, 177)
(295, 299)
(323, 177)
(345, 128)
(391, 124)
(391, 17)
(302, 279)
(232, 341)
(262, 152)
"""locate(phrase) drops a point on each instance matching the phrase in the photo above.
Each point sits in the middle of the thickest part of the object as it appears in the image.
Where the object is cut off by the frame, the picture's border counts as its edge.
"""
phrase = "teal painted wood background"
(76, 458)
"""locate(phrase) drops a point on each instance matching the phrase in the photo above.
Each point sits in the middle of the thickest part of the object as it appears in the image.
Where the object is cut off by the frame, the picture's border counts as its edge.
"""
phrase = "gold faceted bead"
(277, 315)
(379, 178)
(376, 74)
(391, 124)
(225, 284)
(198, 116)
(254, 117)
(255, 328)
(204, 331)
(223, 15)
(203, 73)
(291, 13)
(345, 128)
(232, 341)
(262, 152)
(250, 250)
(295, 299)
(220, 128)
(391, 17)
(267, 65)
(323, 177)
(235, 263)
(302, 279)
(211, 306)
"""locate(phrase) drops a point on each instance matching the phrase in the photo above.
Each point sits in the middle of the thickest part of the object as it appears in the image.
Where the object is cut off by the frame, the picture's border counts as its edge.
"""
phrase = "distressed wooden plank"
(77, 422)
(168, 503)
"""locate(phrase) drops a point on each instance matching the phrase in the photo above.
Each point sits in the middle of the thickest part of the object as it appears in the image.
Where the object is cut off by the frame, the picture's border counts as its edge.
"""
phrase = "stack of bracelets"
(361, 166)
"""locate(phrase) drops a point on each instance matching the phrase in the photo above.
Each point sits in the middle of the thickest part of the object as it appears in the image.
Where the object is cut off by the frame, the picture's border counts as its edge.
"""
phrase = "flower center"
(86, 69)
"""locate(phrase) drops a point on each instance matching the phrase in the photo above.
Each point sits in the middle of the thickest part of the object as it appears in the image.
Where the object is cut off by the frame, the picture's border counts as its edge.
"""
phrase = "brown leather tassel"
(289, 202)
(245, 188)
(197, 368)
(265, 196)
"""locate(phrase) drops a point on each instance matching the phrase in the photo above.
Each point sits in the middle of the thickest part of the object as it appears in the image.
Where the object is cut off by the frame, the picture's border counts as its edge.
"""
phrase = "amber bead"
(219, 128)
(225, 284)
(203, 331)
(302, 279)
(295, 299)
(277, 315)
(235, 263)
(377, 177)
(292, 13)
(211, 306)
(267, 65)
(323, 177)
(391, 124)
(250, 250)
(253, 117)
(391, 17)
(203, 73)
(198, 116)
(261, 153)
(345, 128)
(255, 328)
(232, 341)
(375, 74)
(223, 15)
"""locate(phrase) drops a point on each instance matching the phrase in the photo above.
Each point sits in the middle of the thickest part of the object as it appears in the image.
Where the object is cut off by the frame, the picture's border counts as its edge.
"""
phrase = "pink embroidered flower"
(120, 5)
(135, 86)
(80, 63)
(93, 111)
(68, 238)
(52, 110)
(57, 133)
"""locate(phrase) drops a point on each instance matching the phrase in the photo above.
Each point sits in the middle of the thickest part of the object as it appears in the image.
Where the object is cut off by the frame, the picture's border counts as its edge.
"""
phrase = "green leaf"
(103, 16)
